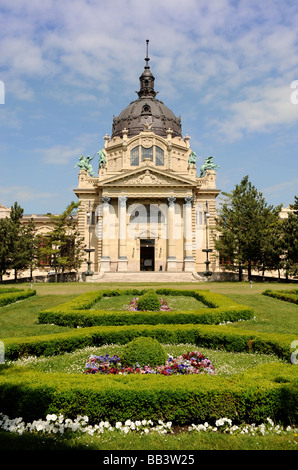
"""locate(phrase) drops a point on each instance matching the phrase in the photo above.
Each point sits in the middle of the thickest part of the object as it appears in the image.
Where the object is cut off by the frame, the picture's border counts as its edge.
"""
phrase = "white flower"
(52, 417)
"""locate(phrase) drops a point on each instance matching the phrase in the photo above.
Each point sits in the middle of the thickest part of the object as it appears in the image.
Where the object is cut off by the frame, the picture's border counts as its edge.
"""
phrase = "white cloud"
(60, 154)
(285, 186)
(63, 154)
(21, 193)
(265, 108)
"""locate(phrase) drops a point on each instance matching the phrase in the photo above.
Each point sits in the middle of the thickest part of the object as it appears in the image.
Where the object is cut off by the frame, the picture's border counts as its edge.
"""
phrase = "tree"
(272, 247)
(290, 240)
(4, 246)
(242, 225)
(64, 247)
(16, 249)
(30, 245)
(16, 242)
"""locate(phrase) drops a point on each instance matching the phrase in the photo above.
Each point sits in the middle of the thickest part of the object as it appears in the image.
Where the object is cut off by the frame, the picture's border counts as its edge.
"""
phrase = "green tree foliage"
(18, 255)
(243, 226)
(64, 247)
(290, 240)
(4, 246)
(17, 242)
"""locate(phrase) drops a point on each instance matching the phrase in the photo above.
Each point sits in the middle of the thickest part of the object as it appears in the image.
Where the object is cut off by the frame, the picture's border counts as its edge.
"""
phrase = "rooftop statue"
(84, 164)
(192, 158)
(102, 158)
(208, 165)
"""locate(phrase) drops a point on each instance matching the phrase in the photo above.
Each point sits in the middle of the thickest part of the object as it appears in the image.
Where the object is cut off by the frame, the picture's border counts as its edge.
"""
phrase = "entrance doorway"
(147, 255)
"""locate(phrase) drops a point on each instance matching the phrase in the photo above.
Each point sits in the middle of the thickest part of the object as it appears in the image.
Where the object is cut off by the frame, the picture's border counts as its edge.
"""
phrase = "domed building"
(147, 208)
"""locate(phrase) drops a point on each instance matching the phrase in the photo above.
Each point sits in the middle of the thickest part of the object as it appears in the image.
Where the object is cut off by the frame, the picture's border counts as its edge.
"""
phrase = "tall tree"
(30, 242)
(4, 246)
(290, 240)
(272, 246)
(64, 247)
(18, 260)
(241, 225)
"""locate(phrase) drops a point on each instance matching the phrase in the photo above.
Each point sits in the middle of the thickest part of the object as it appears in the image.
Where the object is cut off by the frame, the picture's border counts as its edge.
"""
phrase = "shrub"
(14, 296)
(149, 301)
(75, 312)
(257, 394)
(287, 296)
(144, 351)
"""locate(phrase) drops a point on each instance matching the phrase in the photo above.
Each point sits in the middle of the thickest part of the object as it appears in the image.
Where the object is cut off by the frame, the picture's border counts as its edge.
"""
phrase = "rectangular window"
(199, 217)
(159, 156)
(134, 156)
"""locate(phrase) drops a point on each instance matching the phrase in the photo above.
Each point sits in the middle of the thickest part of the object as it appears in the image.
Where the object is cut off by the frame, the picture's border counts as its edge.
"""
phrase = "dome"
(146, 111)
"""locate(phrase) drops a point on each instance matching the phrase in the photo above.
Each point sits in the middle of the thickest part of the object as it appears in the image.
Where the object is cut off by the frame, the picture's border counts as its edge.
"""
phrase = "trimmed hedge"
(214, 337)
(5, 290)
(286, 295)
(144, 351)
(266, 391)
(149, 301)
(14, 296)
(75, 313)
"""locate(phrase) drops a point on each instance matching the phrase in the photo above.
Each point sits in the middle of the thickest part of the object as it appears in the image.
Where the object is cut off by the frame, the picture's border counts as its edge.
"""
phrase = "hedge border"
(74, 313)
(266, 391)
(14, 296)
(218, 336)
(287, 296)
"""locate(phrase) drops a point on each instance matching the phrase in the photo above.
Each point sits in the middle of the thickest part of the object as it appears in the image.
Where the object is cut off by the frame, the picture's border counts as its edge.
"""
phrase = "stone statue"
(84, 164)
(208, 165)
(102, 158)
(192, 158)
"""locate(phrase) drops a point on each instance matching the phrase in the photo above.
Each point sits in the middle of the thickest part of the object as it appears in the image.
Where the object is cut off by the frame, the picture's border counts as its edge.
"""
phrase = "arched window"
(159, 156)
(134, 156)
(147, 213)
(139, 153)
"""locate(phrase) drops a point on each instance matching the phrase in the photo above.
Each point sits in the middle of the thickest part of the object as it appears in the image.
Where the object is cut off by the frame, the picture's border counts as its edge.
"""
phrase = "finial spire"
(147, 58)
(147, 79)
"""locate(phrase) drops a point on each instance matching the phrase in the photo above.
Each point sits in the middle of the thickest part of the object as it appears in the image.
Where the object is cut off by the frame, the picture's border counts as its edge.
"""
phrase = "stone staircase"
(145, 276)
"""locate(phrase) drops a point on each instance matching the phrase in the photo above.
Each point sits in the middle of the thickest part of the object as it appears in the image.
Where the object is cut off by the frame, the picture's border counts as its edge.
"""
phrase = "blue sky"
(225, 66)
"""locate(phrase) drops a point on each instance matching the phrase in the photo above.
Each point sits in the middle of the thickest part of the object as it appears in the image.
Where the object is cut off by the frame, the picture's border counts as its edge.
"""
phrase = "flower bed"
(133, 305)
(189, 363)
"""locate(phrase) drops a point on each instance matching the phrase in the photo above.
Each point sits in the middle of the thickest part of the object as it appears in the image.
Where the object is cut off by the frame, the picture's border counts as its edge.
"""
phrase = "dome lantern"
(146, 109)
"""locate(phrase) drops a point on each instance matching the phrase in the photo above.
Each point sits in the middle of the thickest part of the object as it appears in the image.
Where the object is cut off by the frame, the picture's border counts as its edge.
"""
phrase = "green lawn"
(122, 302)
(271, 315)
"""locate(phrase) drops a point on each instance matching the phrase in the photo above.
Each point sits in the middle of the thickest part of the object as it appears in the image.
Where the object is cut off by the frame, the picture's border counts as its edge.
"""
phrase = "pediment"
(147, 176)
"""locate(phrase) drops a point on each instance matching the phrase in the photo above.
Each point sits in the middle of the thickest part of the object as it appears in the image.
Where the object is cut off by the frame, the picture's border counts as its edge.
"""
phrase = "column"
(172, 261)
(122, 230)
(105, 262)
(187, 225)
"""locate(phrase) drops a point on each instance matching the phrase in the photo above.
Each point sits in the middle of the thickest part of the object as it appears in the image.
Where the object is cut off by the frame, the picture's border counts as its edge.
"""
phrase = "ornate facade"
(147, 209)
